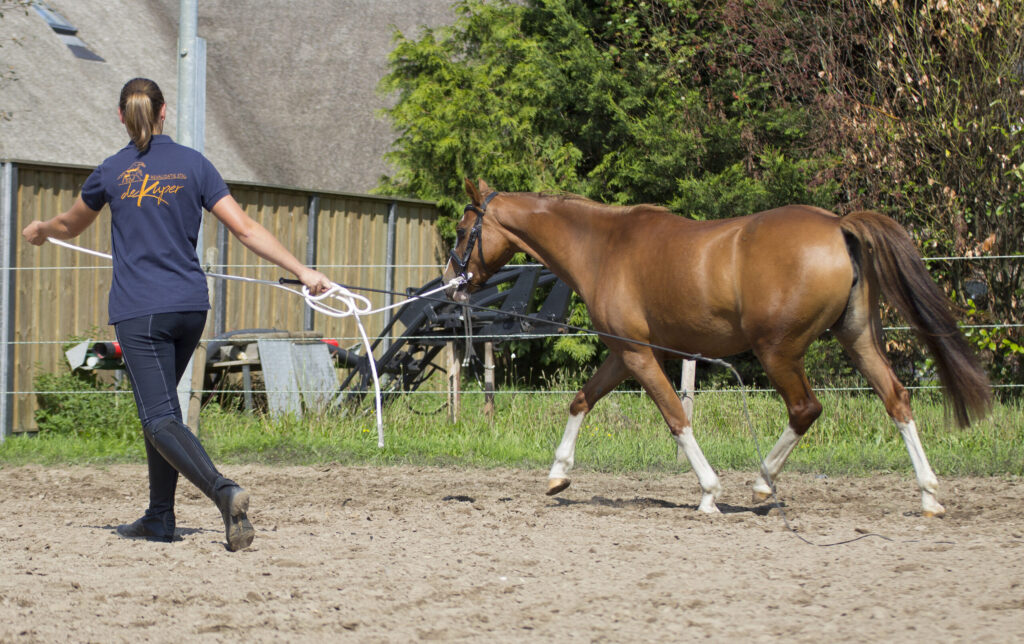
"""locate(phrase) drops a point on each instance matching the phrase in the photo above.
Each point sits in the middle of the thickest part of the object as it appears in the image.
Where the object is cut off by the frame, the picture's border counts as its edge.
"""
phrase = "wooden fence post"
(686, 395)
(454, 380)
(195, 398)
(489, 379)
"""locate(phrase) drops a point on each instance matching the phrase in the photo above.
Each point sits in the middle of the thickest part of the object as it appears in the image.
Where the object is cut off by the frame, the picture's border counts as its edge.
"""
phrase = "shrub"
(80, 404)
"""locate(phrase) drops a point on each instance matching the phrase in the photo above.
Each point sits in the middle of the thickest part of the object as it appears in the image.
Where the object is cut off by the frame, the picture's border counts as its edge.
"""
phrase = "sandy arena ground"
(421, 554)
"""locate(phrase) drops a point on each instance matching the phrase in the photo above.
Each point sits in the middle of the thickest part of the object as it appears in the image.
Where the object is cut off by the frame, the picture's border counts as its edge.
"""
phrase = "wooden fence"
(56, 295)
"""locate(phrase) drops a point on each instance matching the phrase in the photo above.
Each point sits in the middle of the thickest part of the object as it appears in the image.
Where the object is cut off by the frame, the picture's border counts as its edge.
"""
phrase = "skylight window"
(66, 31)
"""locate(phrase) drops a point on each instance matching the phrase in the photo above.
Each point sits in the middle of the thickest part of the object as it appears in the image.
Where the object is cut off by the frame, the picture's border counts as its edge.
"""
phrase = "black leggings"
(156, 350)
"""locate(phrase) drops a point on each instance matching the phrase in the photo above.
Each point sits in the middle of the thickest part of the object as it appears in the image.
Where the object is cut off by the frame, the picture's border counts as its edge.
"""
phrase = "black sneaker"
(233, 502)
(138, 530)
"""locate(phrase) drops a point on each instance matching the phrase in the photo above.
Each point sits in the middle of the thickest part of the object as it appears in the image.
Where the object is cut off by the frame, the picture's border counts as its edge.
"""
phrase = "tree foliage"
(725, 107)
(932, 123)
(622, 102)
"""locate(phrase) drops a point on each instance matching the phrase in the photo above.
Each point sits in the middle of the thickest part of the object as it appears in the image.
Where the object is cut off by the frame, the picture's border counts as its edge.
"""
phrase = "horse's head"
(480, 247)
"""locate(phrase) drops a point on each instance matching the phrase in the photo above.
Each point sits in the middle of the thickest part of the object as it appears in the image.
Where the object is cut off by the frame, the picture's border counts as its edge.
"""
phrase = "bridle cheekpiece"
(474, 236)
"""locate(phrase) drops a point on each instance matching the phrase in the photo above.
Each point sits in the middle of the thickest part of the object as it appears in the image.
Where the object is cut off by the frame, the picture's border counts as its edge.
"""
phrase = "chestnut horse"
(771, 282)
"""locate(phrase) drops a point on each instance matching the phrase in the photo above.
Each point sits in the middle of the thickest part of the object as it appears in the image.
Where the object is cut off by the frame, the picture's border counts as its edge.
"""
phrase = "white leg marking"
(566, 452)
(705, 475)
(774, 461)
(925, 477)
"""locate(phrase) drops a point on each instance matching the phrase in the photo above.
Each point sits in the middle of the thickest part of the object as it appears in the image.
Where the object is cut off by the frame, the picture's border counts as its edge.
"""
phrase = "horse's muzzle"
(458, 294)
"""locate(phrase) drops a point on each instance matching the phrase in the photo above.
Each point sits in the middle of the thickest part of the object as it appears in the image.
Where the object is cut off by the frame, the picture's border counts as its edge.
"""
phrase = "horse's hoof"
(932, 508)
(761, 492)
(557, 485)
(707, 505)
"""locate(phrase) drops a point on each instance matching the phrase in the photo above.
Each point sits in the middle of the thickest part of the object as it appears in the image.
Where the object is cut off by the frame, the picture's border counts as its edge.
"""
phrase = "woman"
(158, 303)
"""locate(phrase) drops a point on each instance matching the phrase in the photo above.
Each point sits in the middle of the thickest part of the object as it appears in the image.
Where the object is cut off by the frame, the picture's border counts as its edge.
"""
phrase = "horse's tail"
(888, 250)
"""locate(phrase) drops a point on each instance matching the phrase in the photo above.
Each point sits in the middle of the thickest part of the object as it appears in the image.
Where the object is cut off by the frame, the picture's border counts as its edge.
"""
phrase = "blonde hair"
(140, 103)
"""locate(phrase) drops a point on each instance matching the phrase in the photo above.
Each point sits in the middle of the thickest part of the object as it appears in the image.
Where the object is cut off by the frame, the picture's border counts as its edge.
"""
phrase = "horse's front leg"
(607, 377)
(649, 371)
(710, 486)
(558, 477)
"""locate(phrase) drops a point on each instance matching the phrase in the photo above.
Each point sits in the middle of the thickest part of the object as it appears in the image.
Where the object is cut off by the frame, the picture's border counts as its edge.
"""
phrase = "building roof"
(291, 85)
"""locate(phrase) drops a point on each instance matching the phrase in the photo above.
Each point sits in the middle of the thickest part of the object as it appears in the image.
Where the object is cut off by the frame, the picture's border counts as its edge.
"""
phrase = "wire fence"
(506, 391)
(227, 268)
(498, 338)
(496, 392)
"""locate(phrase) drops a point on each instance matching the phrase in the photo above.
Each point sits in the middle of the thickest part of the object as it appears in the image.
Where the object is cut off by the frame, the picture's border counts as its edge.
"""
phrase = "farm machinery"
(518, 301)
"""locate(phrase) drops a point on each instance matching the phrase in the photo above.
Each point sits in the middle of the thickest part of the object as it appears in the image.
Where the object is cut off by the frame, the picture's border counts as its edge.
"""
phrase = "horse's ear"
(484, 188)
(471, 190)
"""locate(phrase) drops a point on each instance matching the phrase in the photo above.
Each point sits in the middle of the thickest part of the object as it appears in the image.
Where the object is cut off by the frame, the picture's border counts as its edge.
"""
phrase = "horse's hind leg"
(790, 380)
(607, 377)
(861, 344)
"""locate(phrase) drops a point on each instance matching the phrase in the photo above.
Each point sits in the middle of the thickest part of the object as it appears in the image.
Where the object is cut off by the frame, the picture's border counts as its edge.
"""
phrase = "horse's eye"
(460, 234)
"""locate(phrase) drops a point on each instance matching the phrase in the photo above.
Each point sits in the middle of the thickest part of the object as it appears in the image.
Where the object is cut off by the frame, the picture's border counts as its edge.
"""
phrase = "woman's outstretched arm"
(260, 241)
(66, 225)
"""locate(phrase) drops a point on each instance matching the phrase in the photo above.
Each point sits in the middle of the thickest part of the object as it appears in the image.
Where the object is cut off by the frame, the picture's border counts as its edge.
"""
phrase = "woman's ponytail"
(140, 103)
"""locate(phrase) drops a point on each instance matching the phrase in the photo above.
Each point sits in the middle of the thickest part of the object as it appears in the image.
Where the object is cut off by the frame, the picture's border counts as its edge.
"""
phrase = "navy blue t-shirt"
(156, 202)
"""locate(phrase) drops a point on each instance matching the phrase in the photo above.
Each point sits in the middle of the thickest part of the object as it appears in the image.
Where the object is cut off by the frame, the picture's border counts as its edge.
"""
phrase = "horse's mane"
(597, 205)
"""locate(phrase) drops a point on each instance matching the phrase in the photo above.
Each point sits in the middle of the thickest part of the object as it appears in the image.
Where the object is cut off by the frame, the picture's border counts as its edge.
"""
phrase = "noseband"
(474, 235)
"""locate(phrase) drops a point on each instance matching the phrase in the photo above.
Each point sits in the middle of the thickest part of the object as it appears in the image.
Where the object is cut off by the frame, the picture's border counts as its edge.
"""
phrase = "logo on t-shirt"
(140, 185)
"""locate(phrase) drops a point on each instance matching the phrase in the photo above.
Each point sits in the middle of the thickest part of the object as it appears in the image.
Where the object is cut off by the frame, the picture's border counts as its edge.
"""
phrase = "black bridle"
(460, 263)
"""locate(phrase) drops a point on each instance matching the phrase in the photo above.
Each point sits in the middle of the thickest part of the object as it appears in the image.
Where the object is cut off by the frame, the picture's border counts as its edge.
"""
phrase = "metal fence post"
(8, 222)
(188, 79)
(190, 131)
(389, 272)
(220, 287)
(311, 242)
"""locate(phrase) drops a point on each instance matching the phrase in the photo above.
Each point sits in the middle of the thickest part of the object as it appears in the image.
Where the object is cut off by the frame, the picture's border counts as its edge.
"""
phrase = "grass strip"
(624, 433)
